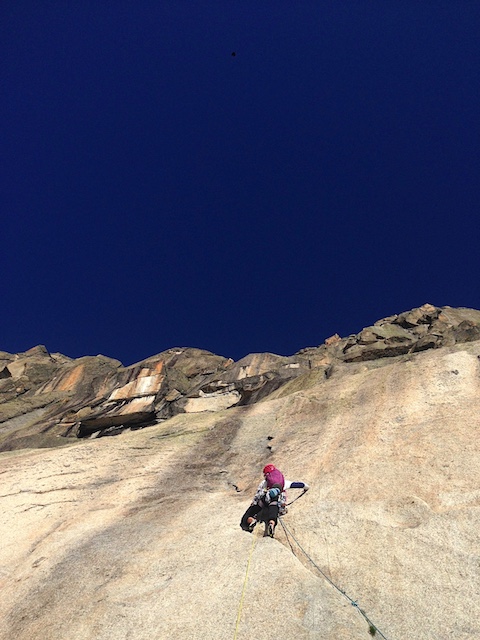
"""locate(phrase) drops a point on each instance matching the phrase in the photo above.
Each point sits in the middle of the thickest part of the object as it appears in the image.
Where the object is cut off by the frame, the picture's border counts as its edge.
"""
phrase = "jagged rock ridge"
(46, 398)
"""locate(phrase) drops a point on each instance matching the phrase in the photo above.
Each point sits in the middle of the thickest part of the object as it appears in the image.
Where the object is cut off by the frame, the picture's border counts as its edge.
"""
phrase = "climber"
(271, 497)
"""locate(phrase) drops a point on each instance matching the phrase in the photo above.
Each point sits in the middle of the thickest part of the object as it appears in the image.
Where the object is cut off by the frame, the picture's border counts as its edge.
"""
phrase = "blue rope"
(354, 603)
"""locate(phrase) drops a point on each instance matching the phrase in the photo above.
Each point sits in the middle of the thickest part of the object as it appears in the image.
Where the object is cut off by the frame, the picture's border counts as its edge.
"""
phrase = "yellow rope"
(240, 605)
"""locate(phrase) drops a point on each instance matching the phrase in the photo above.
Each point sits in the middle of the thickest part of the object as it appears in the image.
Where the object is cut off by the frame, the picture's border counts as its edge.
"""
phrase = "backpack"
(275, 477)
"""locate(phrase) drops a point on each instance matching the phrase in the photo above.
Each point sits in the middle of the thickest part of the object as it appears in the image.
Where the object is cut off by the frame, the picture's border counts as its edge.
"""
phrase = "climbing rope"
(295, 499)
(240, 604)
(373, 629)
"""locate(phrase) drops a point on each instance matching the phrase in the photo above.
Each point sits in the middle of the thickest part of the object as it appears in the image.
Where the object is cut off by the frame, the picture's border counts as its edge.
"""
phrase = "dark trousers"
(269, 512)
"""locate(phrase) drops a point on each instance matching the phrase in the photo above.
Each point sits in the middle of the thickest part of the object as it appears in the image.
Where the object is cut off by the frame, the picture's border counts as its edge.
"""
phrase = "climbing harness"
(240, 604)
(373, 629)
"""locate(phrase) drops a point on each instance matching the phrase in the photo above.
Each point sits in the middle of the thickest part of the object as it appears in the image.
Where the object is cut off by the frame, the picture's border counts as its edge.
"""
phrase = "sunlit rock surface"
(137, 536)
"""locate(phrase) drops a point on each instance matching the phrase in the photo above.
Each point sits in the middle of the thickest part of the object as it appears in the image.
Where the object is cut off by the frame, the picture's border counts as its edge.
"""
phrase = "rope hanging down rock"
(373, 629)
(240, 604)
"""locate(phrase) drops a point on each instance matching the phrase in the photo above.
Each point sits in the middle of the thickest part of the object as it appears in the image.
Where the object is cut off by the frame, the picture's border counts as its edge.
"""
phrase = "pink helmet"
(268, 469)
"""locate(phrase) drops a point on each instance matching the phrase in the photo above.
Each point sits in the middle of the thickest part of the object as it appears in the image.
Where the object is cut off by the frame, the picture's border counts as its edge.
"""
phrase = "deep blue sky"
(157, 191)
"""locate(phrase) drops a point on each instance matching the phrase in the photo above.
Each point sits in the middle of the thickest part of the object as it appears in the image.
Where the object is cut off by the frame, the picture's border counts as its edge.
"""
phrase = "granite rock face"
(47, 399)
(138, 537)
